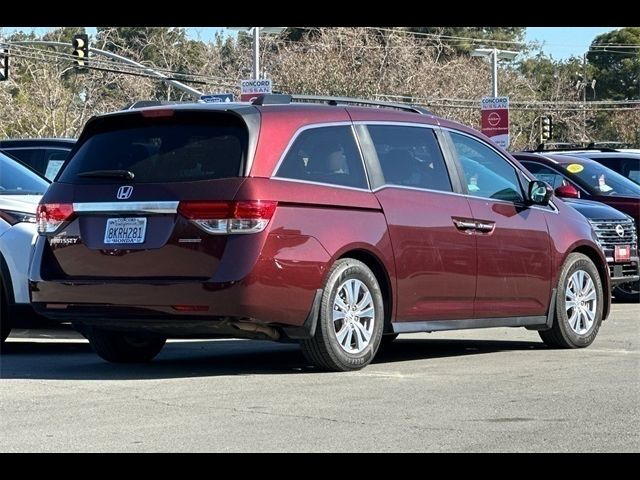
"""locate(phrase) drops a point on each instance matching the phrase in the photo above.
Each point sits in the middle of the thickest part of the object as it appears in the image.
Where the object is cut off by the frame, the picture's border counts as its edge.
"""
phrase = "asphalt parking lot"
(467, 391)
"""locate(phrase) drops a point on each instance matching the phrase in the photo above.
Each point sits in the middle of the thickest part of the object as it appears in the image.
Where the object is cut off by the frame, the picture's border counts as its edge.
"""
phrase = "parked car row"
(332, 225)
(574, 177)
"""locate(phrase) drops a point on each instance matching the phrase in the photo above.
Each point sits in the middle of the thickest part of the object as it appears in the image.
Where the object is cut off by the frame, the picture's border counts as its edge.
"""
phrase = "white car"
(20, 191)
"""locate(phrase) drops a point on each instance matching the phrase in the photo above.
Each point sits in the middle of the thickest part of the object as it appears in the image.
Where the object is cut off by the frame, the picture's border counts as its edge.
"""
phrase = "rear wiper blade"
(108, 174)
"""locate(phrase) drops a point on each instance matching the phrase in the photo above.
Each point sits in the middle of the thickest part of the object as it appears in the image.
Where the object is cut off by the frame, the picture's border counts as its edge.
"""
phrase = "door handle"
(485, 227)
(464, 224)
(479, 226)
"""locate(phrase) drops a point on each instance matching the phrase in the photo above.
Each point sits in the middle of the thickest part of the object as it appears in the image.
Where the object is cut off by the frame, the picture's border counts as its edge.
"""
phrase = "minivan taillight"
(49, 216)
(229, 217)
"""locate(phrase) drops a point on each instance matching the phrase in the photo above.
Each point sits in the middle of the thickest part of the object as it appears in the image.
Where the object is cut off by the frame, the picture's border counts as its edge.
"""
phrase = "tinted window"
(600, 180)
(325, 155)
(28, 156)
(487, 174)
(545, 174)
(16, 179)
(410, 156)
(628, 167)
(179, 148)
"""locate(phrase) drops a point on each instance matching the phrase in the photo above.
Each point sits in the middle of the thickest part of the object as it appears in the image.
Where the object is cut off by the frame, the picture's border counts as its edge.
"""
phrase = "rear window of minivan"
(182, 147)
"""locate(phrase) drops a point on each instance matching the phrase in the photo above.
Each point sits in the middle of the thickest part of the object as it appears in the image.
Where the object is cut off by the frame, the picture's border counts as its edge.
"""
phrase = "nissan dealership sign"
(495, 119)
(250, 89)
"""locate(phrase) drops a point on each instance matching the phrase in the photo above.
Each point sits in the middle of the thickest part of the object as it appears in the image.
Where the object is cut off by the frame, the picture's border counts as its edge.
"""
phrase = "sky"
(559, 42)
(563, 42)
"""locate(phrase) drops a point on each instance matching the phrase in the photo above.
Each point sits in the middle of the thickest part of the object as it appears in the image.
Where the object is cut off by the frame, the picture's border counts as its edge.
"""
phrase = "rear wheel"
(579, 304)
(119, 347)
(351, 319)
(628, 292)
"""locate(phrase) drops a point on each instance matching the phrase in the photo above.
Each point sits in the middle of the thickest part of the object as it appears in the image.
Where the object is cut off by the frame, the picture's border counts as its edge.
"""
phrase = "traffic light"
(4, 64)
(81, 50)
(546, 128)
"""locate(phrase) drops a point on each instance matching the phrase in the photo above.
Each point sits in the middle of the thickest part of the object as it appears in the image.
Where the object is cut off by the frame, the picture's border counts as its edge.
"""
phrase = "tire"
(353, 351)
(571, 328)
(628, 292)
(5, 327)
(119, 347)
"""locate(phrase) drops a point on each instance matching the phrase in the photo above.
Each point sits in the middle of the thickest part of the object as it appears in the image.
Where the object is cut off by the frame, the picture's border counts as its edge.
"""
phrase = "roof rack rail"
(361, 101)
(271, 99)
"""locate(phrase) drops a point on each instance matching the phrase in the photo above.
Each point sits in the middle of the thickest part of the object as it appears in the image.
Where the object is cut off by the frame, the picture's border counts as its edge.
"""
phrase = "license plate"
(622, 253)
(125, 230)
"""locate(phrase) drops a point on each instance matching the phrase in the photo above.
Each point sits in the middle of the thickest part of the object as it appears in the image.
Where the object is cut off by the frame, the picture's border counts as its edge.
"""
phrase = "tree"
(615, 57)
(441, 36)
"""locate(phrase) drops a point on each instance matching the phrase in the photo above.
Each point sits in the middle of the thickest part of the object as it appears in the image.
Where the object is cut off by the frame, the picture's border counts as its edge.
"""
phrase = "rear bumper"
(146, 304)
(275, 287)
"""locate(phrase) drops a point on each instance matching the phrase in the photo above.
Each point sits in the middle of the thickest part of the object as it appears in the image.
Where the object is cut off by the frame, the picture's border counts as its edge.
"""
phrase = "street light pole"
(495, 55)
(256, 43)
(256, 53)
(495, 72)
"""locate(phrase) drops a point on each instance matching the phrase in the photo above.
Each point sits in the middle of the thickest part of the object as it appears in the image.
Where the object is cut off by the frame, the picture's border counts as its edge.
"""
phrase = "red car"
(327, 224)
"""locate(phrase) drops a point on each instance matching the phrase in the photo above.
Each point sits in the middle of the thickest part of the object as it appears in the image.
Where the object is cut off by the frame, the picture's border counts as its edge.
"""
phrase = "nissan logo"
(124, 192)
(620, 230)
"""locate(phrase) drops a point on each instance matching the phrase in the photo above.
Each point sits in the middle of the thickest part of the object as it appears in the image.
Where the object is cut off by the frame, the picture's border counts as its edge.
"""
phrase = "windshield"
(600, 180)
(16, 179)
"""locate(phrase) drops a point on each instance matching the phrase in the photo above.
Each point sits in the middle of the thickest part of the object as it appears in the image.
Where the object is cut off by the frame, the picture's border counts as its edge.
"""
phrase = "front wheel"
(350, 321)
(579, 305)
(119, 347)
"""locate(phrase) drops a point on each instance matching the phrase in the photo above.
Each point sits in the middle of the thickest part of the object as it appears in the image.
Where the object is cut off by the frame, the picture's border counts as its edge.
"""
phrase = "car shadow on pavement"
(76, 361)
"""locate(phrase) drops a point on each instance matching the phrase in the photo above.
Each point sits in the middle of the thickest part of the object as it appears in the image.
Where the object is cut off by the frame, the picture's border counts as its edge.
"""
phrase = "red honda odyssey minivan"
(329, 223)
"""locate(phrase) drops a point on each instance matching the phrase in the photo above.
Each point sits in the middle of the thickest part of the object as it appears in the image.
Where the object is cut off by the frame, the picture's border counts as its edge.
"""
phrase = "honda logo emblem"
(124, 192)
(620, 230)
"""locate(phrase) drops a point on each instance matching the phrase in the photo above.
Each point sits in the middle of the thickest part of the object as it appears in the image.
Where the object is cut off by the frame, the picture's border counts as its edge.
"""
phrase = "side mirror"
(539, 192)
(567, 191)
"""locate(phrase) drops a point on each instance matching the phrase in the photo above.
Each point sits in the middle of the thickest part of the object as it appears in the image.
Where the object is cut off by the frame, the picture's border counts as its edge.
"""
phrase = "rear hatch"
(122, 208)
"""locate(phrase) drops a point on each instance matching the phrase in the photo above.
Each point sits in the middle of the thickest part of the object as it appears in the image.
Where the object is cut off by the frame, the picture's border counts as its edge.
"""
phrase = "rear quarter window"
(181, 148)
(327, 155)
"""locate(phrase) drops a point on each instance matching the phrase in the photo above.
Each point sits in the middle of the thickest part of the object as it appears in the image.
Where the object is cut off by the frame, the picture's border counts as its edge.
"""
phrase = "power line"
(56, 55)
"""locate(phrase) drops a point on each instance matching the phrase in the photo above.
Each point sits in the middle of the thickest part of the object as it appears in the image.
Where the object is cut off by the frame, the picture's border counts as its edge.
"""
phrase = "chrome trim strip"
(417, 189)
(308, 182)
(120, 207)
